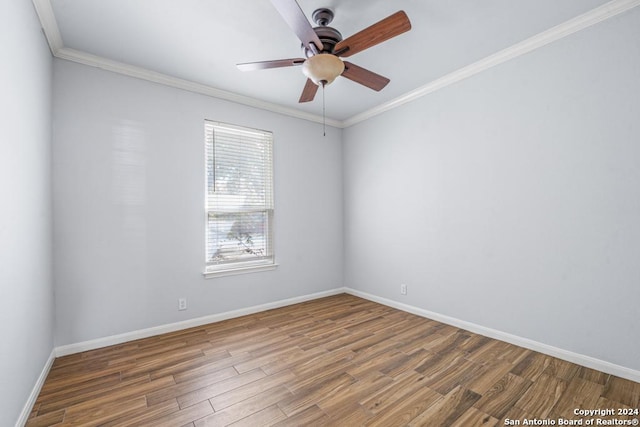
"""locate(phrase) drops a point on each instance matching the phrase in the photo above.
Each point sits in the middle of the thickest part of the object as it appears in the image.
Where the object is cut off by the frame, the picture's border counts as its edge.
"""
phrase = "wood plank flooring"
(336, 361)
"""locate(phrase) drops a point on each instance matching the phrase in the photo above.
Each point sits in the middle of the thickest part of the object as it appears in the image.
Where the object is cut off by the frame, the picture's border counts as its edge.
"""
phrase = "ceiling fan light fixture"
(323, 68)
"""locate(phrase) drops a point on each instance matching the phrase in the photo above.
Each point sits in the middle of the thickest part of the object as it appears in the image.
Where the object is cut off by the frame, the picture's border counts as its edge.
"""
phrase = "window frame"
(233, 267)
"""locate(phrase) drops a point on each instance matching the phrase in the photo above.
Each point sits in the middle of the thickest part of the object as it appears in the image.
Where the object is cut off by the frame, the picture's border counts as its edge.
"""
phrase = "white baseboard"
(26, 409)
(569, 356)
(172, 327)
(580, 359)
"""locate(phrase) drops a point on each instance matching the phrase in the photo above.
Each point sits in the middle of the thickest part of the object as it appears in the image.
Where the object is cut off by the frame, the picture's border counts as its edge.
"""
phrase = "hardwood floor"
(340, 361)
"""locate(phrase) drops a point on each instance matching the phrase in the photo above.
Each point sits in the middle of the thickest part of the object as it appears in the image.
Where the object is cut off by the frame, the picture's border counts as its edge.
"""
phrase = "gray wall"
(512, 199)
(26, 292)
(128, 206)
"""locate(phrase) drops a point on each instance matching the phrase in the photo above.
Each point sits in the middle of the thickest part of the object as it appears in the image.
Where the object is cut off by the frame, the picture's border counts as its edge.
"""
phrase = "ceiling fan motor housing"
(329, 36)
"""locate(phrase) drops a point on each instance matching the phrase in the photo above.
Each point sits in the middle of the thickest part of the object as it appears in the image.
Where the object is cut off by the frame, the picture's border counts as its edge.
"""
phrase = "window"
(239, 199)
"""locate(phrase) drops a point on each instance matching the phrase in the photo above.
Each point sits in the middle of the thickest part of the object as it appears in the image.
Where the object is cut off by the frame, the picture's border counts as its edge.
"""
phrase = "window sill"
(241, 270)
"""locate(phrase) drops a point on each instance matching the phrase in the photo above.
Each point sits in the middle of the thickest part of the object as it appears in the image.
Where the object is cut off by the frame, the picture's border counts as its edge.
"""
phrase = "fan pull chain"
(324, 117)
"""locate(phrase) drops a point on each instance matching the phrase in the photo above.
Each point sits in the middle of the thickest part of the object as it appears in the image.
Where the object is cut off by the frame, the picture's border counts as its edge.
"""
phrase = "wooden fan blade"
(377, 33)
(364, 77)
(294, 16)
(309, 91)
(263, 65)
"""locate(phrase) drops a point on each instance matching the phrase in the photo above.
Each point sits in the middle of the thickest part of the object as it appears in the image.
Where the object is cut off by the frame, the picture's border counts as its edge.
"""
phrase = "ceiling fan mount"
(323, 47)
(322, 16)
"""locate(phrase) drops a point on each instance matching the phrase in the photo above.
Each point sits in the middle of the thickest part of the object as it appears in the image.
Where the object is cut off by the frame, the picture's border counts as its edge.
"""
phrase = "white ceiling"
(200, 41)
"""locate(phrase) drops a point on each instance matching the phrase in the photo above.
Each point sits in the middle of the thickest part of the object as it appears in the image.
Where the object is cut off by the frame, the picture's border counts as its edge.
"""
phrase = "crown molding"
(164, 79)
(49, 24)
(544, 38)
(56, 44)
(592, 17)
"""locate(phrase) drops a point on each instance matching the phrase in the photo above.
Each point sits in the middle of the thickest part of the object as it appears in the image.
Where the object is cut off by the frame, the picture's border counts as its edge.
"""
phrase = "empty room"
(322, 213)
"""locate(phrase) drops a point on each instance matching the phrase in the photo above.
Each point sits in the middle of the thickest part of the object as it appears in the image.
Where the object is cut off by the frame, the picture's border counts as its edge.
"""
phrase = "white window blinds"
(239, 197)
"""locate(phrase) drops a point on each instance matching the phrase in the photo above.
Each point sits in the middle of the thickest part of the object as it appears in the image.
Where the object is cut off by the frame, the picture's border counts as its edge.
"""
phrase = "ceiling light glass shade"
(323, 67)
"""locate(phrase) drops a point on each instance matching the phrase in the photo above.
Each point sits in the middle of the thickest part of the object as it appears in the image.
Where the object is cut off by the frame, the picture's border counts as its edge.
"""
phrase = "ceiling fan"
(323, 47)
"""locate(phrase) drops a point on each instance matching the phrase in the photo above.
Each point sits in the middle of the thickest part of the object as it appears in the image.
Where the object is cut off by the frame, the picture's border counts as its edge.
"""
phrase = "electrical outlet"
(182, 303)
(403, 289)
